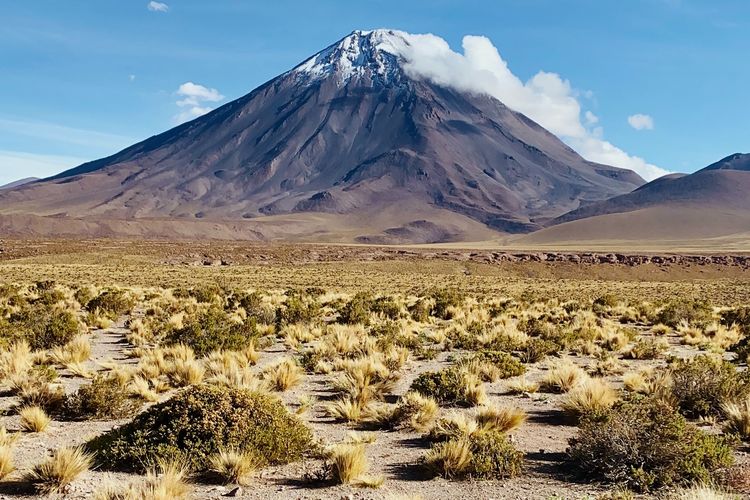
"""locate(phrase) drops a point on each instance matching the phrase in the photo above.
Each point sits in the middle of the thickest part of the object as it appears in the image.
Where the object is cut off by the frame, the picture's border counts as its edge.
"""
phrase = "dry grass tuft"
(738, 418)
(449, 459)
(349, 463)
(563, 376)
(234, 466)
(521, 386)
(6, 461)
(56, 474)
(503, 419)
(284, 375)
(34, 419)
(167, 482)
(701, 492)
(414, 411)
(591, 396)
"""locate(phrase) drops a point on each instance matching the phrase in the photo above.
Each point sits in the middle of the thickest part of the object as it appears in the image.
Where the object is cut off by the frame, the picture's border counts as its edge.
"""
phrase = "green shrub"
(607, 300)
(444, 299)
(494, 456)
(647, 444)
(44, 327)
(481, 455)
(387, 307)
(420, 311)
(698, 313)
(739, 316)
(297, 310)
(449, 386)
(111, 303)
(536, 350)
(211, 330)
(207, 293)
(357, 310)
(501, 364)
(648, 349)
(83, 296)
(702, 384)
(198, 422)
(102, 399)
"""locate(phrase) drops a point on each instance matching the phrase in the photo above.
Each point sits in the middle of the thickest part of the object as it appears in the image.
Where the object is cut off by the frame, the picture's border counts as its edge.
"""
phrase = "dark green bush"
(387, 307)
(211, 330)
(111, 303)
(200, 421)
(357, 310)
(297, 310)
(503, 364)
(702, 384)
(444, 299)
(647, 444)
(698, 313)
(420, 311)
(536, 350)
(648, 349)
(83, 296)
(43, 326)
(494, 456)
(102, 399)
(207, 293)
(447, 386)
(739, 316)
(491, 456)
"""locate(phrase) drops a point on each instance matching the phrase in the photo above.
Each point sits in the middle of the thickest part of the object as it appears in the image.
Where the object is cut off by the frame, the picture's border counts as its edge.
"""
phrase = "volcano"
(349, 146)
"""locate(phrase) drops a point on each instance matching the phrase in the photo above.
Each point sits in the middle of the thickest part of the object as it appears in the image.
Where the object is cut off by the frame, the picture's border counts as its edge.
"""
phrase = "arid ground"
(542, 344)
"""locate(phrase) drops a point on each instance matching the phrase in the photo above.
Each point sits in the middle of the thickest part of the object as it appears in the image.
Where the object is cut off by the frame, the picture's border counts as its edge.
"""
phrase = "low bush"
(496, 365)
(111, 303)
(700, 386)
(696, 313)
(483, 455)
(451, 386)
(443, 301)
(102, 399)
(213, 330)
(200, 421)
(647, 444)
(386, 306)
(536, 350)
(357, 310)
(297, 309)
(43, 326)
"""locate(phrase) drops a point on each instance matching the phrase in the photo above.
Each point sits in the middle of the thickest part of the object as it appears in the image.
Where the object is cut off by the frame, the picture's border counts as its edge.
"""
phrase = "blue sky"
(81, 79)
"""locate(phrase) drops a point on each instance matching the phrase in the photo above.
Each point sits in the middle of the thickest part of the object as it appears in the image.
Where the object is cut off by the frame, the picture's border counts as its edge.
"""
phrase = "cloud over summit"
(546, 98)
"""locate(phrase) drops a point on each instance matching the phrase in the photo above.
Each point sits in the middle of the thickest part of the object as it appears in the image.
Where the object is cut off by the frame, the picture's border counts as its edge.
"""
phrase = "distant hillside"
(19, 182)
(710, 203)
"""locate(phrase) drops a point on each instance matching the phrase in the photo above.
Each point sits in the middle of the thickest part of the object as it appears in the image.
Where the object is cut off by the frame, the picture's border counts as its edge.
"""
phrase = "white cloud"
(131, 78)
(546, 98)
(15, 165)
(641, 122)
(157, 7)
(194, 99)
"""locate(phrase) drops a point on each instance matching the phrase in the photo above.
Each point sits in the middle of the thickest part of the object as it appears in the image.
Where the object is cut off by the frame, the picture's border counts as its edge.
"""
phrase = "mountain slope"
(346, 133)
(19, 182)
(710, 203)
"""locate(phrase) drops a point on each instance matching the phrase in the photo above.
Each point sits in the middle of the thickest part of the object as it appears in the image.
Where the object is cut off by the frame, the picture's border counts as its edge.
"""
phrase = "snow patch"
(375, 52)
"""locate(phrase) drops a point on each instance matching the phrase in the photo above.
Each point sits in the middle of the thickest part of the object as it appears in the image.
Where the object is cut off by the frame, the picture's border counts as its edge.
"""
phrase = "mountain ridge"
(345, 132)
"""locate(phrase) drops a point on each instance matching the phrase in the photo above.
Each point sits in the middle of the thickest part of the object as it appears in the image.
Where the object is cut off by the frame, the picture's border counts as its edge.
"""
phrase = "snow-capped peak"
(376, 52)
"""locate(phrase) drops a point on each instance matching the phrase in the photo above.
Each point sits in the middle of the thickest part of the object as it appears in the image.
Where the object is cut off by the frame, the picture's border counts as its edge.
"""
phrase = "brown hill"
(347, 133)
(708, 204)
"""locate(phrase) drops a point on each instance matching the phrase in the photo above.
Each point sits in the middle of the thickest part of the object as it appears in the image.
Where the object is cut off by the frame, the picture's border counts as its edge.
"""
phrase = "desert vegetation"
(193, 391)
